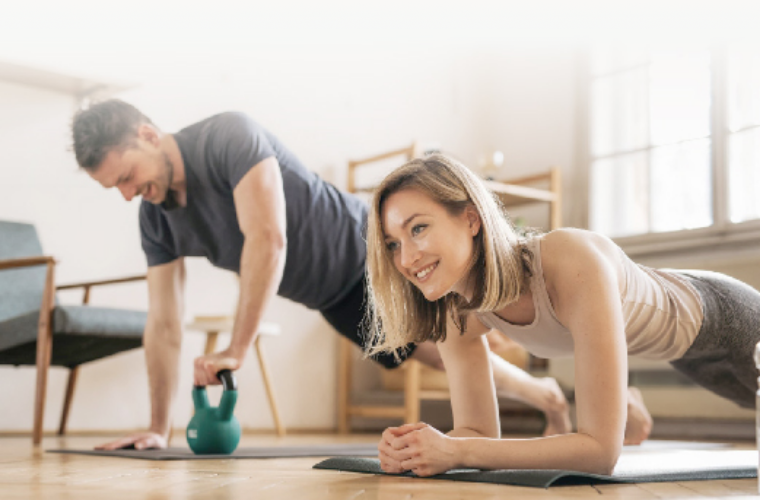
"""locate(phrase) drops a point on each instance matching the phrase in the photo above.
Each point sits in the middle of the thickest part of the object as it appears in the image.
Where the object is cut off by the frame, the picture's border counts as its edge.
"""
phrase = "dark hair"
(103, 127)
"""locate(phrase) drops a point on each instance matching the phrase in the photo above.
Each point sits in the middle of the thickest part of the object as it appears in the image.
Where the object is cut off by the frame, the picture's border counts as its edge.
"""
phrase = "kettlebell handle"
(227, 378)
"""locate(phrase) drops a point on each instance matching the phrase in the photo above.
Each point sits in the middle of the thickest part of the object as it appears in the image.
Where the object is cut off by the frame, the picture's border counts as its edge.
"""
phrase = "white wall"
(328, 104)
(335, 80)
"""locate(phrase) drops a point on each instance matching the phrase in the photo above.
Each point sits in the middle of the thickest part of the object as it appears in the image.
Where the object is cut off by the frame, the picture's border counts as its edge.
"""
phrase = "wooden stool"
(214, 325)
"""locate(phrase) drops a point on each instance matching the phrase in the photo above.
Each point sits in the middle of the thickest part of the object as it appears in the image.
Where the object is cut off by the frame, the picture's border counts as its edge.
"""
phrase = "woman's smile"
(424, 274)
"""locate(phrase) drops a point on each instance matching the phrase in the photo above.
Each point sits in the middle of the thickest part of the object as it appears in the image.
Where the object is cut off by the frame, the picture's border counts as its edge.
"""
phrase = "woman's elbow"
(607, 465)
(608, 458)
(601, 455)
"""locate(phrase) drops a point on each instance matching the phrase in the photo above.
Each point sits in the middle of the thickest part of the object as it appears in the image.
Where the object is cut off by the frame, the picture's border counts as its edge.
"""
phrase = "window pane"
(619, 203)
(743, 89)
(619, 113)
(681, 186)
(679, 96)
(605, 60)
(744, 175)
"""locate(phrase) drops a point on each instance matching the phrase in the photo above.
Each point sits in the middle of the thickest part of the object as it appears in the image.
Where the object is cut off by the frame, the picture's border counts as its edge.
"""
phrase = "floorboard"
(30, 474)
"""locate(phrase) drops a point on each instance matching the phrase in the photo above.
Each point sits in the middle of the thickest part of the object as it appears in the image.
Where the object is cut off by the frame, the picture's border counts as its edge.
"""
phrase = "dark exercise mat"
(317, 450)
(652, 467)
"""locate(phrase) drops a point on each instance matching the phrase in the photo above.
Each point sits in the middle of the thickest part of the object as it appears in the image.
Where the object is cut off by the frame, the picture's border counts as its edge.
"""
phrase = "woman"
(445, 264)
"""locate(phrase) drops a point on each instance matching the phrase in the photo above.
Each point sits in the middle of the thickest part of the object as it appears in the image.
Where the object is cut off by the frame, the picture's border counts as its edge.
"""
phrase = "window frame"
(723, 236)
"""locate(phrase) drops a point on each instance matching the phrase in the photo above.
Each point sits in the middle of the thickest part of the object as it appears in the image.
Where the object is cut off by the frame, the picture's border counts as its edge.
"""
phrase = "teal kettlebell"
(214, 430)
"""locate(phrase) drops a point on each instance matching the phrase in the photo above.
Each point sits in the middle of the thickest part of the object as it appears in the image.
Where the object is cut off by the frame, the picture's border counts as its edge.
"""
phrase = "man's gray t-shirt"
(325, 252)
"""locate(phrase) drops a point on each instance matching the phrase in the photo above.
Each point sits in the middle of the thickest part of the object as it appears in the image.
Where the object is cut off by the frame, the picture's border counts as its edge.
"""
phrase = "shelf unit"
(513, 193)
(79, 87)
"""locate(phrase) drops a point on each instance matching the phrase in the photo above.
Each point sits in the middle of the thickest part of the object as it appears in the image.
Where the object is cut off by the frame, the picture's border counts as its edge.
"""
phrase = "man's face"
(142, 169)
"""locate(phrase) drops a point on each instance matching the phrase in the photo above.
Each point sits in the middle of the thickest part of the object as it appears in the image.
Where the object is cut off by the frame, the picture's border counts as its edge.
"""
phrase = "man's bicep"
(166, 290)
(260, 199)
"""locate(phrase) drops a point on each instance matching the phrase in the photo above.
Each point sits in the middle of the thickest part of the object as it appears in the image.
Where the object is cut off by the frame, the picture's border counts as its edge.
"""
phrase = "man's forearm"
(162, 352)
(261, 270)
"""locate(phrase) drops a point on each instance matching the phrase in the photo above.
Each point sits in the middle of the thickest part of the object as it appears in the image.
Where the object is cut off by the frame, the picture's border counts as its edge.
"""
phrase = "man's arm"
(162, 341)
(260, 206)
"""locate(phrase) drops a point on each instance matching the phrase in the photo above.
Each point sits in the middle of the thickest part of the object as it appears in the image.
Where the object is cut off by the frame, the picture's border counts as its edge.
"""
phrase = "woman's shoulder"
(571, 250)
(573, 258)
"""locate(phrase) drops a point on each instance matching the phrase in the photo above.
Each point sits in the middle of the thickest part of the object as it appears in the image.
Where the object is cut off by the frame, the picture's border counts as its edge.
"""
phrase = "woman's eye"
(391, 246)
(418, 229)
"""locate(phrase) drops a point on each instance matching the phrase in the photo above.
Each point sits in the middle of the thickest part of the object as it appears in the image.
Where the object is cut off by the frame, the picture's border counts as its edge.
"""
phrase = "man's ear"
(148, 133)
(473, 219)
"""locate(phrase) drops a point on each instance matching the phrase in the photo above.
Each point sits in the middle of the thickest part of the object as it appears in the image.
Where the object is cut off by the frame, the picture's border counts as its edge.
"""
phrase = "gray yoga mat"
(317, 450)
(652, 467)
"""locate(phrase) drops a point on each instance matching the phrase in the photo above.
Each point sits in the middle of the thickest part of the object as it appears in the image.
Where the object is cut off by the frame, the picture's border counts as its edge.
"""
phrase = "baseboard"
(704, 429)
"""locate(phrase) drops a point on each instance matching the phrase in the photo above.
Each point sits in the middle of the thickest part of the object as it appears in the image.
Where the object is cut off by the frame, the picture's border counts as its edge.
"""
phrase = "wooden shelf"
(513, 195)
(58, 82)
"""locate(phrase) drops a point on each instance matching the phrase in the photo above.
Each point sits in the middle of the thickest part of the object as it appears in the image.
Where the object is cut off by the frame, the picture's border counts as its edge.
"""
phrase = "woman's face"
(430, 247)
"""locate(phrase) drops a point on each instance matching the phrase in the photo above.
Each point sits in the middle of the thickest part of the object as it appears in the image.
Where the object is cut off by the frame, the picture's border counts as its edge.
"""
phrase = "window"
(743, 132)
(674, 141)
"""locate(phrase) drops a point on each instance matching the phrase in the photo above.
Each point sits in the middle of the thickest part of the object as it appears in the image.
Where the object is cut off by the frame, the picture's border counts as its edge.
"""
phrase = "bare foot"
(555, 408)
(639, 423)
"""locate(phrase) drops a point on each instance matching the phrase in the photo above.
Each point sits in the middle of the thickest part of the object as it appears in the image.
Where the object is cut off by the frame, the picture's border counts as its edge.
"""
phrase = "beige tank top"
(662, 313)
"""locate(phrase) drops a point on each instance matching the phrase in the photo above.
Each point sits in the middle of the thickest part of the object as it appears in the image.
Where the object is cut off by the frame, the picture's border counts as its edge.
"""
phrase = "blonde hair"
(398, 313)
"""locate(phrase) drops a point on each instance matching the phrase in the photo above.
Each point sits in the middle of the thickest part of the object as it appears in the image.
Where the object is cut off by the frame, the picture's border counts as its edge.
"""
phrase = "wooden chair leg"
(211, 338)
(43, 364)
(73, 374)
(268, 386)
(412, 391)
(344, 386)
(44, 352)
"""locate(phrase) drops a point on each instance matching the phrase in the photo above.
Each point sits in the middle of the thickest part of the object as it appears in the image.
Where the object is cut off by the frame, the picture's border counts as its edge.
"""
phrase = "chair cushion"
(21, 289)
(80, 334)
(84, 320)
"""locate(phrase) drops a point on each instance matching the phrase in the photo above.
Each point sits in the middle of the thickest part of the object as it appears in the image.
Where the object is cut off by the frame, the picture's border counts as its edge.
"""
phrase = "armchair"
(35, 330)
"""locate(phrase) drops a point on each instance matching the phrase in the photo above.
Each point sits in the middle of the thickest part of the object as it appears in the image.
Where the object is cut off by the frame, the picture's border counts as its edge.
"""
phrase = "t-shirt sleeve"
(155, 235)
(238, 144)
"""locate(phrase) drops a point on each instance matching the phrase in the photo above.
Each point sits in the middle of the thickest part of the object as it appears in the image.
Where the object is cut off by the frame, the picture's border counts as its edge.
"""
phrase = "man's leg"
(514, 383)
(545, 394)
(639, 424)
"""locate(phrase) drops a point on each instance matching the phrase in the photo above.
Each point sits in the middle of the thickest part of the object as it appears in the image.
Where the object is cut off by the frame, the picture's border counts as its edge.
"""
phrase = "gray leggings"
(720, 359)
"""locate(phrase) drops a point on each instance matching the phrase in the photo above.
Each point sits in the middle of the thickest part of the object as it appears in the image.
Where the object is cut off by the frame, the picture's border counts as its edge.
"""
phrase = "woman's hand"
(419, 448)
(390, 458)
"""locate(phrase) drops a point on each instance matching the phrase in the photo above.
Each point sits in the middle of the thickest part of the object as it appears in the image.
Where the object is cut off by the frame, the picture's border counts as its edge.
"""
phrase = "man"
(227, 189)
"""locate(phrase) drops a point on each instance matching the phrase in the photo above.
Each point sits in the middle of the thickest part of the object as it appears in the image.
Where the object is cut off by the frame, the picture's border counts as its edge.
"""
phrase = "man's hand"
(140, 441)
(206, 367)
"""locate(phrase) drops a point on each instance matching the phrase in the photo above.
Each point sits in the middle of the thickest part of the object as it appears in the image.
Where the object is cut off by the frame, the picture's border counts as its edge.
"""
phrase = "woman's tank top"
(662, 313)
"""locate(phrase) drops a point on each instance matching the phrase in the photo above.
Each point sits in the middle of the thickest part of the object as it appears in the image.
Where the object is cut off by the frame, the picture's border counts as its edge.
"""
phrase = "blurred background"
(650, 110)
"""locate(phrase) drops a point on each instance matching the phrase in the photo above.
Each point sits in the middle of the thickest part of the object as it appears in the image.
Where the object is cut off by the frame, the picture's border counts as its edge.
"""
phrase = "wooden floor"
(28, 473)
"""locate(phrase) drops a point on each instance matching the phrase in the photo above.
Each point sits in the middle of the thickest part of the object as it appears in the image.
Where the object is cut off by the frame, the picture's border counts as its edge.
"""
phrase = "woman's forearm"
(578, 452)
(465, 432)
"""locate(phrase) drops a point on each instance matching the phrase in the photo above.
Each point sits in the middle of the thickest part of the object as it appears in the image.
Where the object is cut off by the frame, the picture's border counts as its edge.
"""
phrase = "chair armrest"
(89, 284)
(25, 262)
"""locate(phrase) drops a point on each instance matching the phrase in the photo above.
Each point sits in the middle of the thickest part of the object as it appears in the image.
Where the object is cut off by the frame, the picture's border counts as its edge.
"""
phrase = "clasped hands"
(419, 448)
